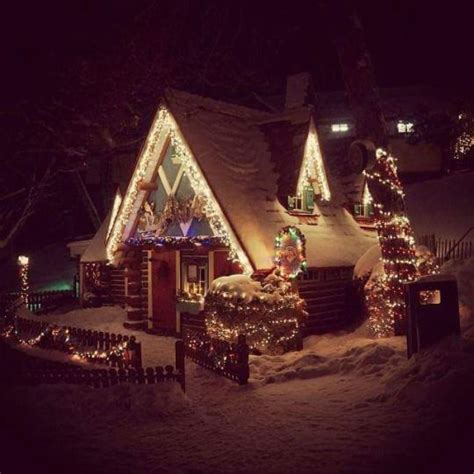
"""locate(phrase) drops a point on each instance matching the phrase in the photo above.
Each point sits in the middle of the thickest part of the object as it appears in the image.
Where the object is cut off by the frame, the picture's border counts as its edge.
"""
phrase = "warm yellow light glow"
(366, 196)
(23, 260)
(115, 209)
(312, 168)
(164, 127)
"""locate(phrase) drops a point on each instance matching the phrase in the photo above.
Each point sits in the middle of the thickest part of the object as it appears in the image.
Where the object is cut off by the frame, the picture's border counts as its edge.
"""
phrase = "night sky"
(415, 42)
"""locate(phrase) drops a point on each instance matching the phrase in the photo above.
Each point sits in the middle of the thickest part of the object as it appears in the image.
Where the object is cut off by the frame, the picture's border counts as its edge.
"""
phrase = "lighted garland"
(290, 252)
(386, 303)
(62, 341)
(174, 241)
(163, 127)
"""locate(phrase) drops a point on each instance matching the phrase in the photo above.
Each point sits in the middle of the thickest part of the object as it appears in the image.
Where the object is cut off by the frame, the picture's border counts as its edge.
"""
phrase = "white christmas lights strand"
(165, 124)
(313, 166)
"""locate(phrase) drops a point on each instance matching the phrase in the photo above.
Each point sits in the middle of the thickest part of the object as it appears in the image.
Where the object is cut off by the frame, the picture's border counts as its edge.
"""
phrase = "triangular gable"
(313, 169)
(96, 250)
(172, 208)
(366, 196)
(165, 129)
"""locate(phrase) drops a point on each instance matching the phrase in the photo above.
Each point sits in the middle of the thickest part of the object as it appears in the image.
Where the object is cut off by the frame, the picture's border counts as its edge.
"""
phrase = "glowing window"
(429, 297)
(339, 127)
(404, 127)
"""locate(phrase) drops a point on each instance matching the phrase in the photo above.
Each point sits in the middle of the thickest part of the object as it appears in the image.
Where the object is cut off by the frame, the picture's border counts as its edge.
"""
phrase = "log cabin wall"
(144, 272)
(118, 286)
(133, 283)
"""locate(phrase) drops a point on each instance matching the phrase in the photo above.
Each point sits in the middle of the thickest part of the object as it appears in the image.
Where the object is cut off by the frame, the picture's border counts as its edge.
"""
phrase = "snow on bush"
(371, 265)
(243, 288)
(269, 313)
(367, 262)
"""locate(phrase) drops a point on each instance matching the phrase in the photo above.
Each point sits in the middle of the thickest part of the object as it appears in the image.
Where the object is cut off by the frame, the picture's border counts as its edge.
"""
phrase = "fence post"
(243, 351)
(136, 349)
(180, 363)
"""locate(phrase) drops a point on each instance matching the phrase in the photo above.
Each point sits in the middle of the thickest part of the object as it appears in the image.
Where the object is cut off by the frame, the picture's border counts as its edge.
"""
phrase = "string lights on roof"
(313, 166)
(164, 128)
(115, 209)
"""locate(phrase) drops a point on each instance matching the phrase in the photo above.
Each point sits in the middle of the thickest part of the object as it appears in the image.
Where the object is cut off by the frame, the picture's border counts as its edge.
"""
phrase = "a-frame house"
(213, 185)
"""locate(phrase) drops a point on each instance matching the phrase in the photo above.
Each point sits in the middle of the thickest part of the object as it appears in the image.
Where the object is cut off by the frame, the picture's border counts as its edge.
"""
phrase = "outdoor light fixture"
(23, 260)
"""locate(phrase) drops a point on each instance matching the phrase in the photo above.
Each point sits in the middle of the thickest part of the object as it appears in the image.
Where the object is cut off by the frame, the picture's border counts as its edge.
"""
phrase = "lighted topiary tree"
(371, 153)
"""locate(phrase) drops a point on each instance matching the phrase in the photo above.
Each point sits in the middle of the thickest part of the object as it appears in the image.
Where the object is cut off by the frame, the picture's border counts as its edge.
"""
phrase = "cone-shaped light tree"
(394, 230)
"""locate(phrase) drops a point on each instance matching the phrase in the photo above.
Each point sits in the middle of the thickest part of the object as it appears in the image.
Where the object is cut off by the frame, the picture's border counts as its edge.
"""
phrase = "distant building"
(400, 107)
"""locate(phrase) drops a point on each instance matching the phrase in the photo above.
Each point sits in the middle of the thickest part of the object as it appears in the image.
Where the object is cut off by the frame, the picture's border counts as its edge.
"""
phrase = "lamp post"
(23, 263)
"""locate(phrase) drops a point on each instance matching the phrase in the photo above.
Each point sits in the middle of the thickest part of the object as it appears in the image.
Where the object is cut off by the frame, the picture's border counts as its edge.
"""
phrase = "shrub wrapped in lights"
(269, 313)
(380, 321)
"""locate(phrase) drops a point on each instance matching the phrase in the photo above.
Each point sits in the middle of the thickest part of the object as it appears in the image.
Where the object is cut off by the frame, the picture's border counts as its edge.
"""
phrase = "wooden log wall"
(118, 286)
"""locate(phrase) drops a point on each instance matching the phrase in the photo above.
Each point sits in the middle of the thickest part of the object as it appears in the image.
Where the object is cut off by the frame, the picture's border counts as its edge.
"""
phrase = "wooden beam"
(147, 186)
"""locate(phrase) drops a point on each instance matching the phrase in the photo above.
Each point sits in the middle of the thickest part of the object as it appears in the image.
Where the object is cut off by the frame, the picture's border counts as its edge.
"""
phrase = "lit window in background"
(404, 127)
(339, 127)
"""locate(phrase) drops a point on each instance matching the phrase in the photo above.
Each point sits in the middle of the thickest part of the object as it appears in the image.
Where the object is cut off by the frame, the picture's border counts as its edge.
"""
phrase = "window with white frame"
(404, 126)
(339, 127)
(194, 274)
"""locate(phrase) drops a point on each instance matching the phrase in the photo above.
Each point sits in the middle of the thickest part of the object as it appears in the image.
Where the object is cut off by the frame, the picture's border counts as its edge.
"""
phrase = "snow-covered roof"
(95, 251)
(232, 148)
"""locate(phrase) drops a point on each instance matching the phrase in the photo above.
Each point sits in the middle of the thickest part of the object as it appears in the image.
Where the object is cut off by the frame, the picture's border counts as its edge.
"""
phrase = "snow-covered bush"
(268, 313)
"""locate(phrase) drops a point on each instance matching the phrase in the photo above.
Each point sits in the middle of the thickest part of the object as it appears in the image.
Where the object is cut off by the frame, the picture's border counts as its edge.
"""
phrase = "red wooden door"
(164, 290)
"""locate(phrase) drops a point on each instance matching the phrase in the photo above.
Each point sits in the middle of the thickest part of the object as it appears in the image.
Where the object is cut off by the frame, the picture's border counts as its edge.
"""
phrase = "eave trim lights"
(165, 126)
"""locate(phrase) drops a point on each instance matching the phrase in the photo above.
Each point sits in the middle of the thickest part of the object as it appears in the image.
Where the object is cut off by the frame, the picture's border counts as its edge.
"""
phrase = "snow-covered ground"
(345, 403)
(442, 206)
(156, 350)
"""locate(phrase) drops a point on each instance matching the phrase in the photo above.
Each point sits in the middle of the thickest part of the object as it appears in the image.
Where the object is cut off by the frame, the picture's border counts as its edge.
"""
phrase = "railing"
(229, 360)
(446, 249)
(20, 368)
(84, 341)
(41, 300)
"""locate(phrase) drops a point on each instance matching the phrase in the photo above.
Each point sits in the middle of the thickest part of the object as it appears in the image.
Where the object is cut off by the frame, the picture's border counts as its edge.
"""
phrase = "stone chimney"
(299, 90)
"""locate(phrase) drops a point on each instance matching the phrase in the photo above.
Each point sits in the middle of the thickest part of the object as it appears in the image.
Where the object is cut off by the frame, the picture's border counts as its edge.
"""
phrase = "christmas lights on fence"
(63, 341)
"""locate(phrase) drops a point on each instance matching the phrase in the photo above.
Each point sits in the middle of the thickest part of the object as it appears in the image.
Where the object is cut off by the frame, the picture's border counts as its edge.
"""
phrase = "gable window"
(302, 202)
(173, 209)
(365, 208)
(339, 127)
(404, 127)
(194, 274)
